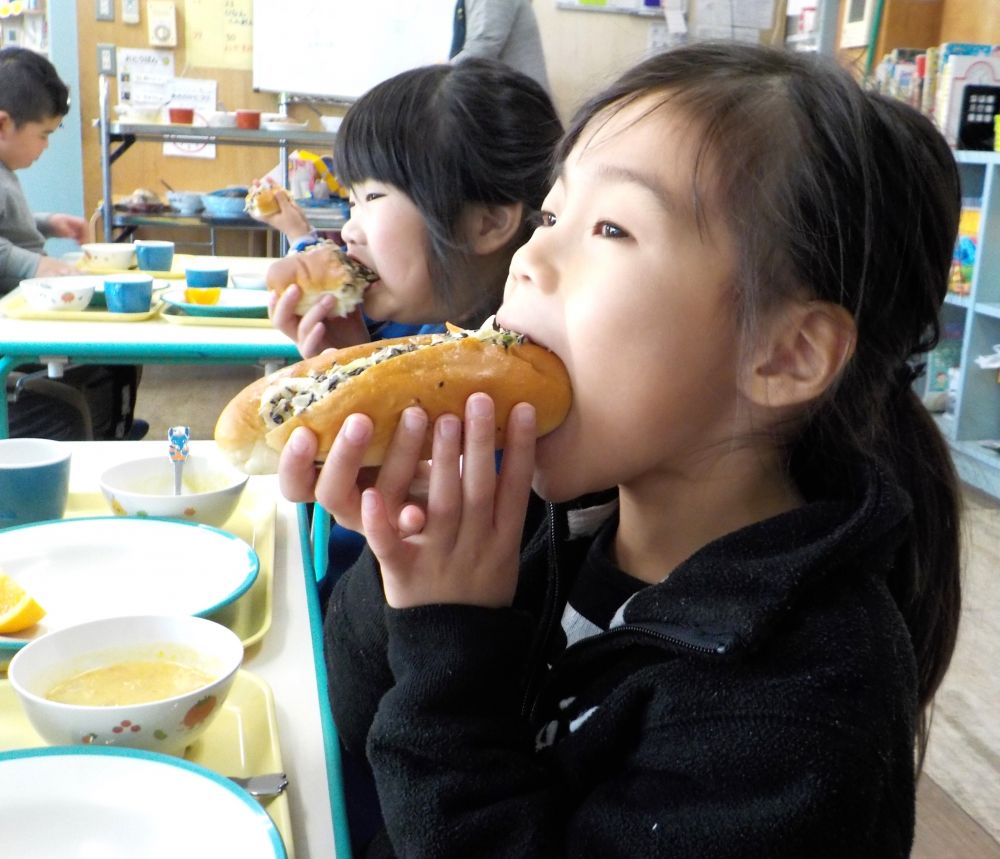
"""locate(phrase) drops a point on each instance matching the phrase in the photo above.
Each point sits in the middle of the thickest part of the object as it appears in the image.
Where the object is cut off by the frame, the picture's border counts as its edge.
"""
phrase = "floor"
(958, 806)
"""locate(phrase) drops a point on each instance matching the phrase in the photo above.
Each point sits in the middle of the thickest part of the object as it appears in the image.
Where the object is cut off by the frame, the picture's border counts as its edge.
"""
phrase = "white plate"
(85, 569)
(115, 803)
(251, 303)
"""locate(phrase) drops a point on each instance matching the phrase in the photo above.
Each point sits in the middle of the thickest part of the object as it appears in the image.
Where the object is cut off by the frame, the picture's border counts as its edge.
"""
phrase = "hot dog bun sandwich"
(262, 200)
(437, 372)
(319, 270)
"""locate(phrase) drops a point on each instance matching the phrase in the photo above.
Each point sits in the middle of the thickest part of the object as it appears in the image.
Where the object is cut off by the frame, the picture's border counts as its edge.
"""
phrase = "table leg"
(6, 365)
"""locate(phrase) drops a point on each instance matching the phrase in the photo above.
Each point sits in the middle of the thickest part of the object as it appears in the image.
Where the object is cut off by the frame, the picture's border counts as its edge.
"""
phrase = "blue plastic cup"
(207, 274)
(34, 480)
(128, 293)
(154, 255)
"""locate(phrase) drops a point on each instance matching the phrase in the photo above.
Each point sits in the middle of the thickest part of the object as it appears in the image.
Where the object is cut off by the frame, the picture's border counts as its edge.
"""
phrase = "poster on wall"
(219, 34)
(200, 95)
(144, 76)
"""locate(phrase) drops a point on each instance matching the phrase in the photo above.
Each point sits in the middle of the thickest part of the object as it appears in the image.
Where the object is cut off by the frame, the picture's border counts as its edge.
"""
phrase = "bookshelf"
(974, 417)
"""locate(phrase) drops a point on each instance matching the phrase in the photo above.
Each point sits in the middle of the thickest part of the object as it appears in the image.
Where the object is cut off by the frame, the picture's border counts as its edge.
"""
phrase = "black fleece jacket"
(760, 701)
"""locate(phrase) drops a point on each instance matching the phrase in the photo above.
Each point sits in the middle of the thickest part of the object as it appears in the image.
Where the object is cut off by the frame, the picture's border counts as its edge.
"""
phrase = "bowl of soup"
(211, 489)
(153, 682)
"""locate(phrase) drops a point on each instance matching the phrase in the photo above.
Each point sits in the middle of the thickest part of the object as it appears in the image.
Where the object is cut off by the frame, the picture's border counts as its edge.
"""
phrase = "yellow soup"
(134, 682)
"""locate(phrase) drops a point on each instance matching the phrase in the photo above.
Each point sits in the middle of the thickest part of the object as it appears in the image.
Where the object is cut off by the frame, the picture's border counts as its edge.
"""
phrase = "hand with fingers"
(316, 330)
(458, 541)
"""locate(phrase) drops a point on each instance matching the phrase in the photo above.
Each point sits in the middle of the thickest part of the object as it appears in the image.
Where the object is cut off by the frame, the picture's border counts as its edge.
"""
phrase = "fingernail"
(299, 441)
(413, 419)
(355, 429)
(450, 427)
(479, 407)
(524, 414)
(368, 500)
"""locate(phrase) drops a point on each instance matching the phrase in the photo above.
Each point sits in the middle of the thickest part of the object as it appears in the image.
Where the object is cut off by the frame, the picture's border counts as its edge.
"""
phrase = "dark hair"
(449, 135)
(846, 196)
(30, 87)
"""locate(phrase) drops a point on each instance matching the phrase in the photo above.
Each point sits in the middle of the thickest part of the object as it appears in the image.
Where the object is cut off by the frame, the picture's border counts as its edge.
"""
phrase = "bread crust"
(437, 378)
(317, 271)
(262, 201)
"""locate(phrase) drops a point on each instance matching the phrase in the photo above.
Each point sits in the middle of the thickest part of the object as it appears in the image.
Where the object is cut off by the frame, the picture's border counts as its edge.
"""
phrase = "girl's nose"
(532, 264)
(350, 233)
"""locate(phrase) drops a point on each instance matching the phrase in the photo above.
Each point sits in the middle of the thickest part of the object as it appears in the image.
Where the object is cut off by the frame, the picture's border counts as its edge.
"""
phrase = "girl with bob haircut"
(741, 259)
(445, 165)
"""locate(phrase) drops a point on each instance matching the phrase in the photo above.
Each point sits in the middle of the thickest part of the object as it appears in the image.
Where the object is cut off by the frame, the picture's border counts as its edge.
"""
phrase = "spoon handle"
(268, 784)
(178, 437)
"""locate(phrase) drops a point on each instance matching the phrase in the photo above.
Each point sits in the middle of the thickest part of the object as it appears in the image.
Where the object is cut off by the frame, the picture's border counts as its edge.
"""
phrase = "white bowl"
(210, 489)
(108, 255)
(186, 202)
(222, 119)
(248, 279)
(132, 113)
(331, 123)
(59, 293)
(168, 724)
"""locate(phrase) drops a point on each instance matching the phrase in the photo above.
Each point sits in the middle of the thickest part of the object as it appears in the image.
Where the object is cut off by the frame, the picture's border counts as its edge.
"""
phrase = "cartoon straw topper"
(178, 438)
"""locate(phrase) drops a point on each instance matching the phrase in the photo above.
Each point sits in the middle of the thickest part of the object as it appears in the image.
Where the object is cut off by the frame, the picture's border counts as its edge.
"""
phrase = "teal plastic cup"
(128, 293)
(207, 274)
(34, 480)
(154, 255)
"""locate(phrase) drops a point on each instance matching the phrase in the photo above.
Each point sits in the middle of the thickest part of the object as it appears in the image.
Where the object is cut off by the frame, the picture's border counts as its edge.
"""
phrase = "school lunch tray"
(177, 316)
(15, 306)
(249, 616)
(241, 741)
(176, 271)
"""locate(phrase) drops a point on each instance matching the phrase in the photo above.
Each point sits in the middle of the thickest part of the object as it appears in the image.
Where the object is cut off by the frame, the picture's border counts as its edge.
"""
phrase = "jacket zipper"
(640, 629)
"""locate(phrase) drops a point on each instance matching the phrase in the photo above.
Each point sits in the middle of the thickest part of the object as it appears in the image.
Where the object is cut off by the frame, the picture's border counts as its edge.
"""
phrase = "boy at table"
(33, 102)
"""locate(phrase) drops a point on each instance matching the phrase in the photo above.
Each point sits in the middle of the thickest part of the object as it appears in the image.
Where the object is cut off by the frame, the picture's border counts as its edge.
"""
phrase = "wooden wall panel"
(144, 165)
(971, 21)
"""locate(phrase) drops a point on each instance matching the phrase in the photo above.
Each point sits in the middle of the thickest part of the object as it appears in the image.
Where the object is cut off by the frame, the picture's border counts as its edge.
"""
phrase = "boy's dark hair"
(835, 193)
(30, 87)
(449, 135)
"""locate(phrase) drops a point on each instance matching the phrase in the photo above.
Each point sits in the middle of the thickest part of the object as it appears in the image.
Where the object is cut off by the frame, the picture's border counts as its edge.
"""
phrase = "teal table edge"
(331, 743)
(134, 353)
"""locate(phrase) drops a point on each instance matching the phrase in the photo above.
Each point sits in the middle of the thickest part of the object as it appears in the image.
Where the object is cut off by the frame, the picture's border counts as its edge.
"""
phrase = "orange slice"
(202, 295)
(18, 610)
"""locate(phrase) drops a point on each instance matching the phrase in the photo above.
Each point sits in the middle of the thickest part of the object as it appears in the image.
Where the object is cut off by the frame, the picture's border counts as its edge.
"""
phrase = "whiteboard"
(341, 48)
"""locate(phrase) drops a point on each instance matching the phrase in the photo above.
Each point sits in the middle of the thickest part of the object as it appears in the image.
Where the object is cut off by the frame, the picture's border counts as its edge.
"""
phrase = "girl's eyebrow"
(668, 201)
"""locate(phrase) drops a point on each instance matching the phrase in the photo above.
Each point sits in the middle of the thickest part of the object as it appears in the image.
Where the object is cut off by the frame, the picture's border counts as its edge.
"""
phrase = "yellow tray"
(16, 306)
(250, 615)
(176, 270)
(179, 317)
(241, 741)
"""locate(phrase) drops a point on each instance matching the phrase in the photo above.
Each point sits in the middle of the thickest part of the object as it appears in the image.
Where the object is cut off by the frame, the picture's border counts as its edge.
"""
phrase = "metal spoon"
(262, 786)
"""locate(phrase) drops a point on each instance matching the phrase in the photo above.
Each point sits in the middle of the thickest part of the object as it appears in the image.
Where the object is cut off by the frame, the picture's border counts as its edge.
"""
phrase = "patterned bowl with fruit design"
(59, 293)
(151, 682)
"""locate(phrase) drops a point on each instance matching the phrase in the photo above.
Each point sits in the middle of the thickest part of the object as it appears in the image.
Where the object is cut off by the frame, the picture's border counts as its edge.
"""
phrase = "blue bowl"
(225, 203)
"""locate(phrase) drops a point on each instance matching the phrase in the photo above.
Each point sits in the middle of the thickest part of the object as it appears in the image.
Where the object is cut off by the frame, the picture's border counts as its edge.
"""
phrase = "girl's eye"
(607, 230)
(373, 195)
(542, 219)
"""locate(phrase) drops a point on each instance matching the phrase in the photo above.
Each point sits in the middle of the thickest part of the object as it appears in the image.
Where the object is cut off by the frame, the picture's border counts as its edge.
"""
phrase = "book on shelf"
(958, 71)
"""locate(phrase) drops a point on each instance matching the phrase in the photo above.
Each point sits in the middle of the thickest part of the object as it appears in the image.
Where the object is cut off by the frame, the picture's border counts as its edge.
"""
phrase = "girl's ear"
(490, 227)
(805, 348)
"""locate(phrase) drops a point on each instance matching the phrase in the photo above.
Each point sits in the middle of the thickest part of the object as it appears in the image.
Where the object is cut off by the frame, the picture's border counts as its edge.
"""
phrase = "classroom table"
(58, 343)
(288, 657)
